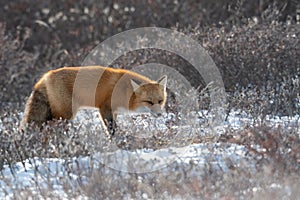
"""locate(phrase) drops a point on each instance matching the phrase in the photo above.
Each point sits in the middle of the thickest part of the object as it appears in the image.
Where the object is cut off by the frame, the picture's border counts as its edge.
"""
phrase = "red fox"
(61, 92)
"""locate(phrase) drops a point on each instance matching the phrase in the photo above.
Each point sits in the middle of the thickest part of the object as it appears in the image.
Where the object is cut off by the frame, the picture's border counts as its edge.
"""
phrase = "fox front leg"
(107, 121)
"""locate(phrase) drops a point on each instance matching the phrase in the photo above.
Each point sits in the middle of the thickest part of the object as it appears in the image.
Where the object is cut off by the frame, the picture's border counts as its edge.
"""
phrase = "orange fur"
(62, 92)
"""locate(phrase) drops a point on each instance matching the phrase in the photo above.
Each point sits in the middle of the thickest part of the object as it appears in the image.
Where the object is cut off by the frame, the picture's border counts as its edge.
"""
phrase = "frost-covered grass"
(245, 161)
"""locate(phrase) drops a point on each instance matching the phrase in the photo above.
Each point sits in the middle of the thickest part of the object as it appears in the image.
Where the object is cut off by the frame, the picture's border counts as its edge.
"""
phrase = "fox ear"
(163, 81)
(134, 84)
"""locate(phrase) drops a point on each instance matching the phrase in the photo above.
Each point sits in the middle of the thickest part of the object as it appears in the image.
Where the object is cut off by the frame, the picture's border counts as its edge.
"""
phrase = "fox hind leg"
(37, 109)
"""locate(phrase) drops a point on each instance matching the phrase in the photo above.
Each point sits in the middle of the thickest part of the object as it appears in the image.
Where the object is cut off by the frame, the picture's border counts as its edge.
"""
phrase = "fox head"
(149, 97)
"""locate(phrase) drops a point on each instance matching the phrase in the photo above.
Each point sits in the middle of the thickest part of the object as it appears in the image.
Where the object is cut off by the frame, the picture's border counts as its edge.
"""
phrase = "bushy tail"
(37, 108)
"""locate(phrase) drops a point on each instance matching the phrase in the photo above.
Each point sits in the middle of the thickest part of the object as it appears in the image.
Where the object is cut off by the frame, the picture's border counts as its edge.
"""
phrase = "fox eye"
(160, 101)
(149, 102)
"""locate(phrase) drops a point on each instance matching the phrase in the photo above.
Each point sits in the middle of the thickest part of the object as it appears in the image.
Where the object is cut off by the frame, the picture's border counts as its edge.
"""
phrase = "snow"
(36, 173)
(157, 160)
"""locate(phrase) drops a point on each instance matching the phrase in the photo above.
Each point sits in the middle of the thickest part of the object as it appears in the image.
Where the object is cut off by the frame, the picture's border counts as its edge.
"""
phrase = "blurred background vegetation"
(253, 43)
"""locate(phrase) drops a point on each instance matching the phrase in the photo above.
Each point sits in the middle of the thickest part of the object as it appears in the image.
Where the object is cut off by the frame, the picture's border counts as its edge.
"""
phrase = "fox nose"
(156, 110)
